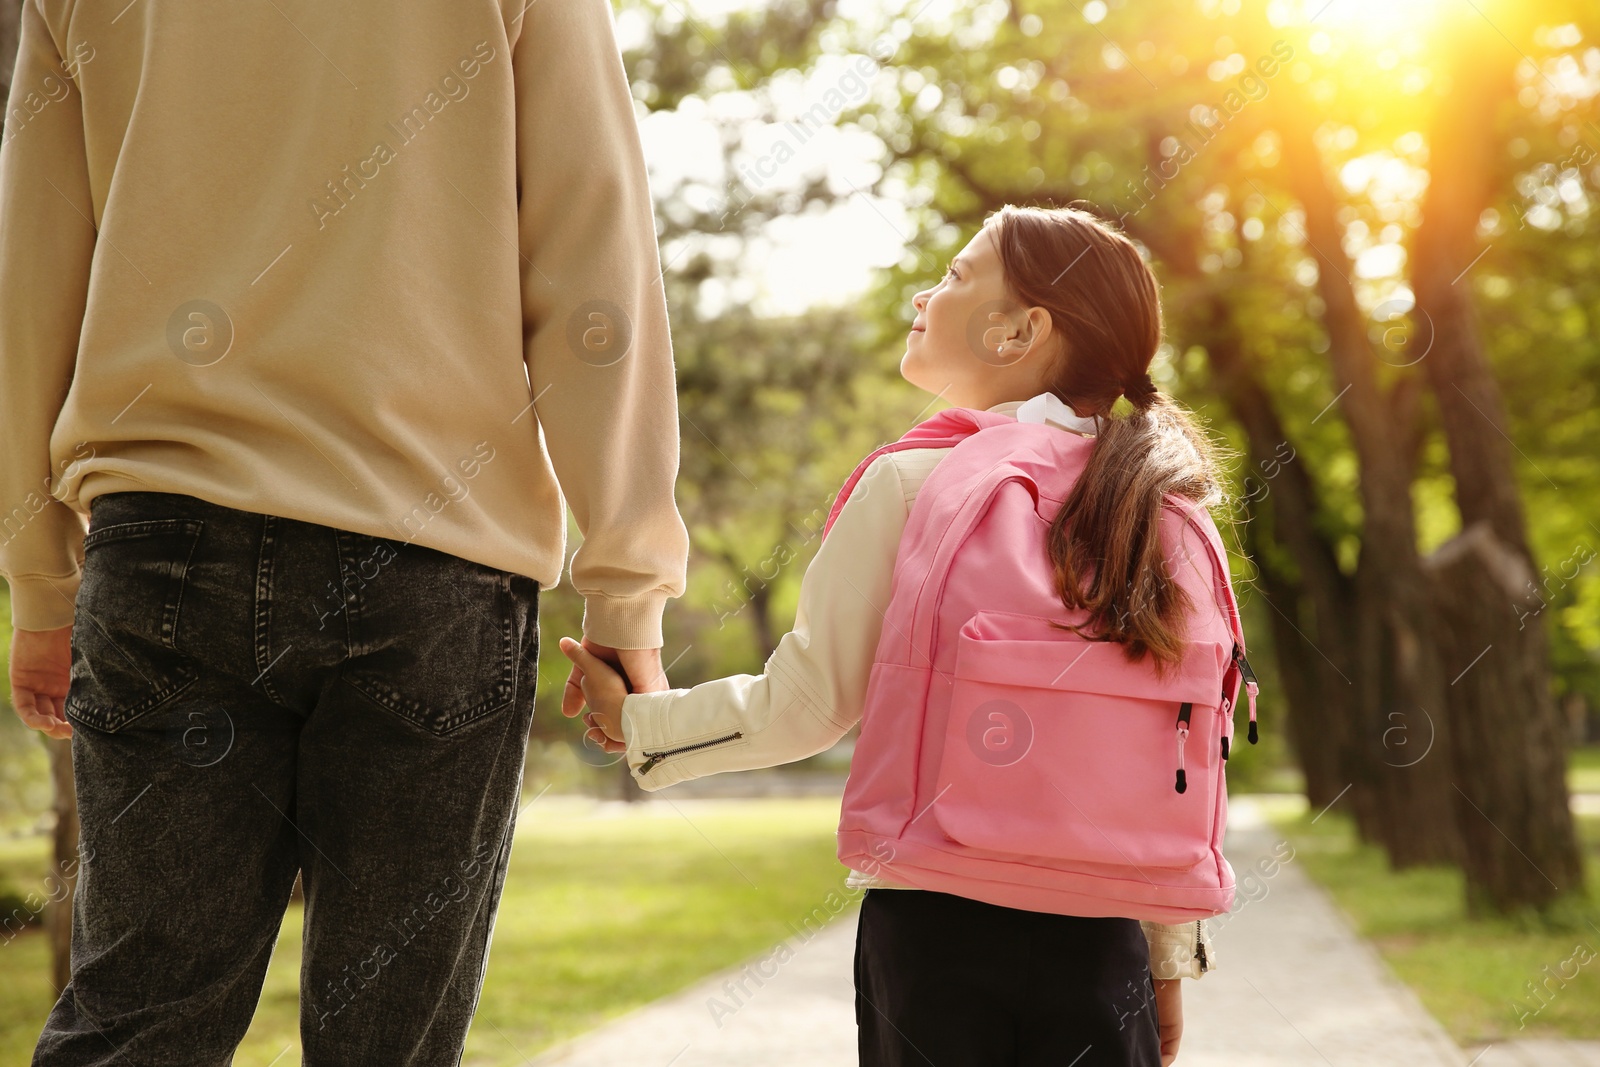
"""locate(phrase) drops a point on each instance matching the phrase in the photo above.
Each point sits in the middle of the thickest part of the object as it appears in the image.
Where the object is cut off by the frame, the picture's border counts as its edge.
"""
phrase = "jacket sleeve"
(595, 328)
(47, 241)
(812, 687)
(1173, 952)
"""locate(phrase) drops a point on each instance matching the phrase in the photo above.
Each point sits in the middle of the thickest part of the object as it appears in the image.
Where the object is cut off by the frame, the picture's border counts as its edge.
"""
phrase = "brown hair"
(1104, 543)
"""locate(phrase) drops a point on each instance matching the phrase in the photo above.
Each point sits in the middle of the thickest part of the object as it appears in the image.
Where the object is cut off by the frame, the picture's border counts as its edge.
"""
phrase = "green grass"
(1470, 975)
(24, 961)
(606, 908)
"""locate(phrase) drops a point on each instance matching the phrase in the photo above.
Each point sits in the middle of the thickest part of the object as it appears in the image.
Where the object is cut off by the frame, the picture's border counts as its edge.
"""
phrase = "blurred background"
(1375, 223)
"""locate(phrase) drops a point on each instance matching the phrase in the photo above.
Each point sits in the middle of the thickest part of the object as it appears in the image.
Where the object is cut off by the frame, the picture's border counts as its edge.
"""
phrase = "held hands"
(1169, 1016)
(595, 682)
(41, 674)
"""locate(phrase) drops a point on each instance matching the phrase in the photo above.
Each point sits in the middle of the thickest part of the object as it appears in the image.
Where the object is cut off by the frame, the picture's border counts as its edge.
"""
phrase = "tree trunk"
(1399, 800)
(1510, 763)
(58, 913)
(1307, 597)
(1320, 719)
(1510, 783)
(622, 778)
(767, 633)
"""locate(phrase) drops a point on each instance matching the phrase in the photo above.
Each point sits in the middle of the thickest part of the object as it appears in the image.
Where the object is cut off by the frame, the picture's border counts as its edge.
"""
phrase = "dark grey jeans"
(254, 696)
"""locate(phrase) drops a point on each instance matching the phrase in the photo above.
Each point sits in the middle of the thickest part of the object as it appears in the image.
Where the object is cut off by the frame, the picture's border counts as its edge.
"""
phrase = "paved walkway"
(1293, 986)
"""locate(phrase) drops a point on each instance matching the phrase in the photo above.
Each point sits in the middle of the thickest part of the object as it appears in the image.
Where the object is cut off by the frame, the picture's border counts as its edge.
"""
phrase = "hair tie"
(1141, 391)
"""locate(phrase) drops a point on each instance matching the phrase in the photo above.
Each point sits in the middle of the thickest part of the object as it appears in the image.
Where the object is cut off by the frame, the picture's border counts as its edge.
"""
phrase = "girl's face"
(970, 343)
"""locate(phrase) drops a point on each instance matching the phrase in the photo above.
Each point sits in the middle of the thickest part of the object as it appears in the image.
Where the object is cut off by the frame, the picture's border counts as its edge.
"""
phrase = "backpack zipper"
(1251, 686)
(1183, 735)
(653, 758)
(1199, 947)
(1244, 664)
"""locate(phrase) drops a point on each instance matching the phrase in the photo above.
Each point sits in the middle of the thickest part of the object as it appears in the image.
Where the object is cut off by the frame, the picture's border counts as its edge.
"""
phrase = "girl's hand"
(1169, 1016)
(603, 690)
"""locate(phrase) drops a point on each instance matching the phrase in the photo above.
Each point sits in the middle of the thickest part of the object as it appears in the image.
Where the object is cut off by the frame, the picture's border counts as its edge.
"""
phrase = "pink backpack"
(1003, 760)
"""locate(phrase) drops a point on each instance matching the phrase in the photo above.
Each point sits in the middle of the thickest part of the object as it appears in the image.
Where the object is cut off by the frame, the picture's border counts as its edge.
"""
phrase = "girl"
(1047, 315)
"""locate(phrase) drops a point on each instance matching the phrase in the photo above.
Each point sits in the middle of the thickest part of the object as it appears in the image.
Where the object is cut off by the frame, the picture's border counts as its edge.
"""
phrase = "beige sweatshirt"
(388, 269)
(812, 689)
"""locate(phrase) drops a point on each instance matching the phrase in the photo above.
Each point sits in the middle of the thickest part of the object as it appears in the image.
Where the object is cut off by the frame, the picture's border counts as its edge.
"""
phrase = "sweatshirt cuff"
(42, 602)
(624, 621)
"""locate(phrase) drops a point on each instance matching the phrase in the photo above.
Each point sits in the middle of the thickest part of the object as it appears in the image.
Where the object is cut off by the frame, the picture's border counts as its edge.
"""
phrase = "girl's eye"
(950, 272)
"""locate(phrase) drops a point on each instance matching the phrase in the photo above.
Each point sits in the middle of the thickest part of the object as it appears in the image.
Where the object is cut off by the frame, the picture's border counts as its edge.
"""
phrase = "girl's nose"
(919, 300)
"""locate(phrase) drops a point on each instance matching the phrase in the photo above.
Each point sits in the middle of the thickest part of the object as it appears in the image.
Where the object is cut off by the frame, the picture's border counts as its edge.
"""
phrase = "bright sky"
(806, 259)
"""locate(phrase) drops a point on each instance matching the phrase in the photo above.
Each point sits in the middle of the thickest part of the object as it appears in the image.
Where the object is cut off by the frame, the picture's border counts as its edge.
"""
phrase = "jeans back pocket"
(433, 637)
(126, 659)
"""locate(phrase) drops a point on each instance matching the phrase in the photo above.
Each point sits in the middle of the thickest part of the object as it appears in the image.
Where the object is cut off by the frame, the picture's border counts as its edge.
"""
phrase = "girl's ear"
(1035, 337)
(1038, 327)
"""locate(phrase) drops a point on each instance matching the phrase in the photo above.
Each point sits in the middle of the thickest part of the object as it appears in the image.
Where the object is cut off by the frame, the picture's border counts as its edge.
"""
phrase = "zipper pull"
(1226, 722)
(1199, 947)
(1251, 687)
(1182, 783)
(650, 764)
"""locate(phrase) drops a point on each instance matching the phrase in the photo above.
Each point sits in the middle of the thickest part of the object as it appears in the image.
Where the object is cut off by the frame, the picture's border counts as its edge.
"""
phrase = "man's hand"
(642, 667)
(1169, 1016)
(41, 673)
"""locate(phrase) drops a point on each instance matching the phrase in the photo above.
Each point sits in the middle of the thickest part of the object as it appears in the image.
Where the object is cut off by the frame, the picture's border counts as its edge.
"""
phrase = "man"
(318, 314)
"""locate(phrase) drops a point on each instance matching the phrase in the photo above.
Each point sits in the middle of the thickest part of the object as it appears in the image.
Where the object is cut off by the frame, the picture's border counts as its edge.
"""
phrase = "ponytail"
(1105, 544)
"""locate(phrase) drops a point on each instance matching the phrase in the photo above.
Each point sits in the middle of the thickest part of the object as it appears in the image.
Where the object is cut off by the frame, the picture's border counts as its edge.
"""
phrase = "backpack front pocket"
(1062, 750)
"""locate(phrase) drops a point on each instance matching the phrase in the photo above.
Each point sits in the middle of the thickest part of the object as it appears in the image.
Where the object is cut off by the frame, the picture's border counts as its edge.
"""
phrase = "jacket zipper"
(653, 758)
(1199, 947)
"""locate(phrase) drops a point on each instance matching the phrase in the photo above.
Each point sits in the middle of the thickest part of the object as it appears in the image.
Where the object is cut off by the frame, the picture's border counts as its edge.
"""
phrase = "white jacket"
(813, 685)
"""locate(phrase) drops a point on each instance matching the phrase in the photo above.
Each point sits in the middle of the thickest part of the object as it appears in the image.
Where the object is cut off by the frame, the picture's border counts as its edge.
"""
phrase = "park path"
(1294, 986)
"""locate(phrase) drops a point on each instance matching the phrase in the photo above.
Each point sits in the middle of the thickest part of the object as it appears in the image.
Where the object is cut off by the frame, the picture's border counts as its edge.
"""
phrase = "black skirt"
(944, 981)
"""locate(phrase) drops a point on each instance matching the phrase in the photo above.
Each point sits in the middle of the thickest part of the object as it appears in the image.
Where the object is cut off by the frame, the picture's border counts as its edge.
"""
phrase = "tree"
(1509, 752)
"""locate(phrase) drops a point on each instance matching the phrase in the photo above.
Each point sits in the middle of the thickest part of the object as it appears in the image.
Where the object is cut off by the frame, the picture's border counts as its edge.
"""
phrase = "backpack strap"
(945, 429)
(1198, 518)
